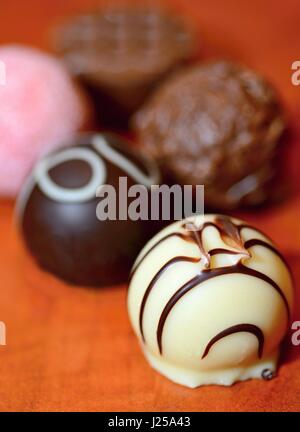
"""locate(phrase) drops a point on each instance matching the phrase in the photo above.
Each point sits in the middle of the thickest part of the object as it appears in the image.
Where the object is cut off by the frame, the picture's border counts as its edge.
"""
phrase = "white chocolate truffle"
(210, 302)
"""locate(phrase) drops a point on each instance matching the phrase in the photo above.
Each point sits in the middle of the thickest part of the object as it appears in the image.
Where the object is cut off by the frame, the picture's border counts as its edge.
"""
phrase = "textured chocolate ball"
(57, 211)
(217, 124)
(120, 54)
(210, 301)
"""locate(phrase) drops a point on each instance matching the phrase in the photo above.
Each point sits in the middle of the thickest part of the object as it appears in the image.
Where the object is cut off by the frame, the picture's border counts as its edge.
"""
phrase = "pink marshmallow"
(40, 110)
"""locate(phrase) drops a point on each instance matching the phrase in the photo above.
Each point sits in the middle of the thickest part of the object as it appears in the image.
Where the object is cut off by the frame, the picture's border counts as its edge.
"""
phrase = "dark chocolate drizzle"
(205, 275)
(257, 242)
(183, 236)
(220, 251)
(248, 328)
(155, 279)
(231, 235)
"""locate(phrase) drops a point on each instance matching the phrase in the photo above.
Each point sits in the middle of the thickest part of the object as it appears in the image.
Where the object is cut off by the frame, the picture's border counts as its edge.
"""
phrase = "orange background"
(73, 349)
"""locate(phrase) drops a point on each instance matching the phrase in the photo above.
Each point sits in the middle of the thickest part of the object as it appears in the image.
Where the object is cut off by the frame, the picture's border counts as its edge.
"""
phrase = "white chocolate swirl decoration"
(201, 263)
(73, 195)
(96, 156)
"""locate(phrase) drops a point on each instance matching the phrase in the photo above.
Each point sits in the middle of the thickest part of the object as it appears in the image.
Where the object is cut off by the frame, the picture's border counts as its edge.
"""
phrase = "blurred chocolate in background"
(121, 53)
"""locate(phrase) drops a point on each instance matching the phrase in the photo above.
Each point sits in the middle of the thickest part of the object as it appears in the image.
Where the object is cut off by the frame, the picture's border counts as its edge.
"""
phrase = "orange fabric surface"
(73, 349)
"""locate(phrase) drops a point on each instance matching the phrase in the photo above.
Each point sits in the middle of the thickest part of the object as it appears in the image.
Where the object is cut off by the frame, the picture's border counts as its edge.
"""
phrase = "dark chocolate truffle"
(120, 54)
(57, 211)
(217, 124)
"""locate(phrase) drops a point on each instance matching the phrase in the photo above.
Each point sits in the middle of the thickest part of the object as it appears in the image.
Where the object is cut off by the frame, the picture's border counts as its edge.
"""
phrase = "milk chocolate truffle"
(120, 54)
(210, 300)
(58, 211)
(217, 124)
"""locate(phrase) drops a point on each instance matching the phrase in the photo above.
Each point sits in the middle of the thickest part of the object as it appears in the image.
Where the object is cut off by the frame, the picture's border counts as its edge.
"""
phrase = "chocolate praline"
(120, 54)
(210, 299)
(57, 211)
(218, 124)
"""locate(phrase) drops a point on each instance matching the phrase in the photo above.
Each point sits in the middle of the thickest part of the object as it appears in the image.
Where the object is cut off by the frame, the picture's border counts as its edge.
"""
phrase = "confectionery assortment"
(217, 124)
(209, 297)
(57, 211)
(122, 54)
(210, 301)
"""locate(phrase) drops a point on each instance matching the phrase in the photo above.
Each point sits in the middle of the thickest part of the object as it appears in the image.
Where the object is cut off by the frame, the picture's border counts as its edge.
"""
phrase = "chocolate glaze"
(190, 236)
(155, 279)
(256, 242)
(64, 235)
(220, 251)
(186, 237)
(231, 234)
(205, 275)
(248, 328)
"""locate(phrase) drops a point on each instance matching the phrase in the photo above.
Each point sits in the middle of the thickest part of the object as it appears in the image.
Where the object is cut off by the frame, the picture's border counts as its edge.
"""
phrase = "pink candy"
(40, 110)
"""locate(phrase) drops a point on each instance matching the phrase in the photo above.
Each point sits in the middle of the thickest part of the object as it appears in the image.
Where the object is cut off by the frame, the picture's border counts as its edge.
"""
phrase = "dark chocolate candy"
(120, 54)
(218, 124)
(57, 211)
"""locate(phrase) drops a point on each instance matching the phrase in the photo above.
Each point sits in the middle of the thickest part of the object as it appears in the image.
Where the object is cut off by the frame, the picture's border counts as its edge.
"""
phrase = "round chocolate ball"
(210, 299)
(217, 124)
(58, 210)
